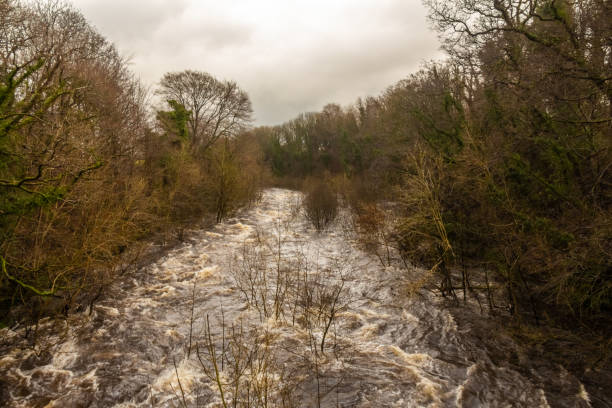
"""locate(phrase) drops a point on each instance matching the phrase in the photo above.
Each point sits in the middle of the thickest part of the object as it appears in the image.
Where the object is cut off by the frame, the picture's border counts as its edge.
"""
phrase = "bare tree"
(575, 35)
(217, 108)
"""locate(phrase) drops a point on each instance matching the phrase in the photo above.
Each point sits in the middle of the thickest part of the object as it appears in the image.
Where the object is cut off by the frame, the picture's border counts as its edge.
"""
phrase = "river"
(295, 318)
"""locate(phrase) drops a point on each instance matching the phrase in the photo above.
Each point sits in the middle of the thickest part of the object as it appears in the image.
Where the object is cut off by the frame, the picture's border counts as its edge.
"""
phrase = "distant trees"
(216, 108)
(314, 142)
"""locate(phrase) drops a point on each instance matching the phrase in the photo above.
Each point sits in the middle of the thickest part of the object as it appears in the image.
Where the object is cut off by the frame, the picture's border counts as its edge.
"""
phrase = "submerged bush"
(320, 204)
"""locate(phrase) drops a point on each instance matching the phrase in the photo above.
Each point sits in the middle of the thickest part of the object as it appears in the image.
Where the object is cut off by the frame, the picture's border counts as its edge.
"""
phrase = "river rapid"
(293, 316)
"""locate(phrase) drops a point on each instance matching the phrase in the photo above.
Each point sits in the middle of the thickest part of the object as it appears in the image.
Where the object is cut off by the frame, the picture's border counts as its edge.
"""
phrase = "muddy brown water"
(388, 351)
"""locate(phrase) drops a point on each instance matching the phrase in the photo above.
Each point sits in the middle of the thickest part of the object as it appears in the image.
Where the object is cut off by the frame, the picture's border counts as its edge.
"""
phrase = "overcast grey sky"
(290, 56)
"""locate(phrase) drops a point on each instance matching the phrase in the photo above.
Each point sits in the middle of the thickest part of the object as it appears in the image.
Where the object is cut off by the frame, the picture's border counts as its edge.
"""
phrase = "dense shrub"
(320, 203)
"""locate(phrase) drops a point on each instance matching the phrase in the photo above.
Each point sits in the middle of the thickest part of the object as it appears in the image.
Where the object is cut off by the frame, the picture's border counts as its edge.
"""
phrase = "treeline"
(86, 174)
(499, 159)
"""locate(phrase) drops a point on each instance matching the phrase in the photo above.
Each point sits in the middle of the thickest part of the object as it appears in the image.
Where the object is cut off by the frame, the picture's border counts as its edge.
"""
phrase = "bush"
(321, 204)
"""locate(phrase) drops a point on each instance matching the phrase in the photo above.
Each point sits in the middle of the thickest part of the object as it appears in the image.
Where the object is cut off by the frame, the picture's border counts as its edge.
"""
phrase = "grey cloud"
(215, 35)
(131, 20)
(341, 71)
(293, 61)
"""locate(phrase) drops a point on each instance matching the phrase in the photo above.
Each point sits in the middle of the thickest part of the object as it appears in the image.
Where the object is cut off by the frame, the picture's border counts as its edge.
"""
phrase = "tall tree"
(70, 118)
(218, 108)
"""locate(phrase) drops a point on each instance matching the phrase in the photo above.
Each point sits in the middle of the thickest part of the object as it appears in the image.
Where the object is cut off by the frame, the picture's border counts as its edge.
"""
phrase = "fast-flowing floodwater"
(293, 316)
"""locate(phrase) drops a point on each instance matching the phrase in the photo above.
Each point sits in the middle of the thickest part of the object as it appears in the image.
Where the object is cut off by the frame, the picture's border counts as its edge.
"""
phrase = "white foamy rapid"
(381, 350)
